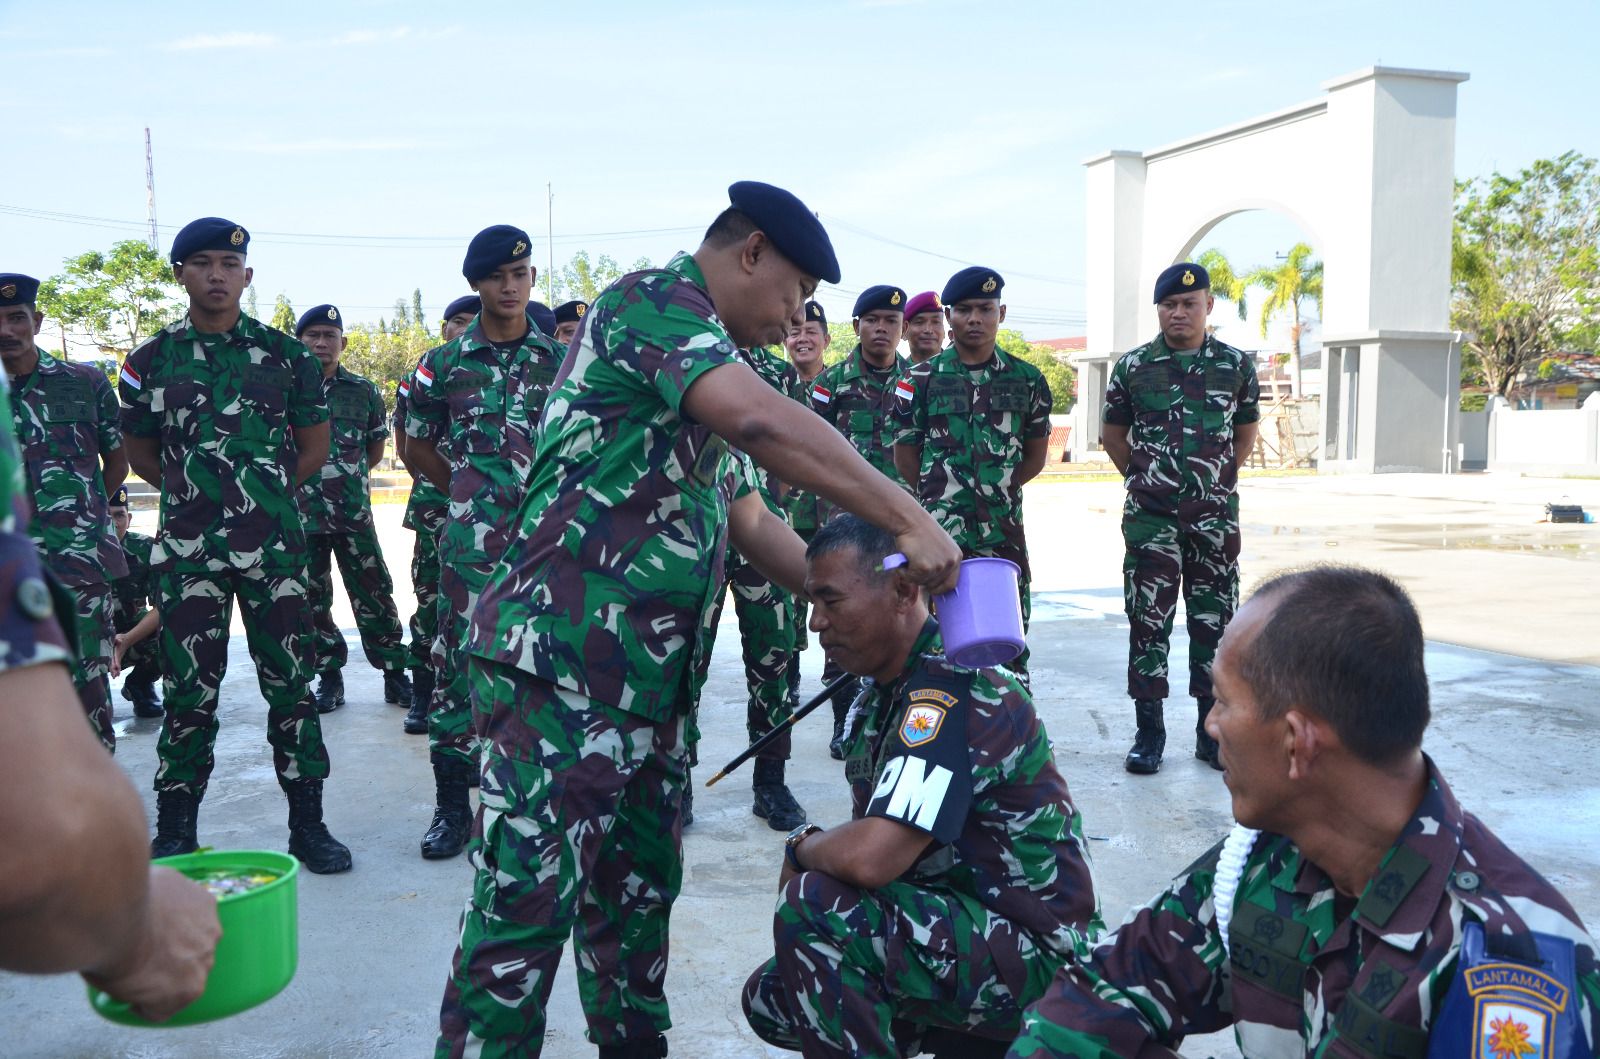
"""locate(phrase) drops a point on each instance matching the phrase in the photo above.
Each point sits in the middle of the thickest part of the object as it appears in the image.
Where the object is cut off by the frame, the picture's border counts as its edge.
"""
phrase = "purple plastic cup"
(980, 620)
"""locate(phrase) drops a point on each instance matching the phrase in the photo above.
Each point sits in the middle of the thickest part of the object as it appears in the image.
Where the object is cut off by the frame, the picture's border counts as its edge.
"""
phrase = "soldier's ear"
(249, 275)
(1002, 312)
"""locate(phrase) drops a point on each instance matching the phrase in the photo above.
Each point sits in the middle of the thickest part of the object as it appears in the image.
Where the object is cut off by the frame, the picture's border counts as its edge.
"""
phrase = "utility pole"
(550, 242)
(150, 190)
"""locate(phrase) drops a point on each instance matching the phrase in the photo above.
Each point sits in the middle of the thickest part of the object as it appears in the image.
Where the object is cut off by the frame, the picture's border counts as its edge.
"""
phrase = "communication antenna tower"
(150, 190)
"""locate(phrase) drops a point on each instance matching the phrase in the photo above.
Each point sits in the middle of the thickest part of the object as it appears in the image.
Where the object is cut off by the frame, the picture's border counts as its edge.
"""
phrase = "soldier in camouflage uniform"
(804, 511)
(1357, 909)
(337, 506)
(225, 417)
(584, 643)
(1180, 416)
(961, 883)
(569, 317)
(474, 404)
(130, 602)
(426, 509)
(766, 640)
(925, 330)
(974, 426)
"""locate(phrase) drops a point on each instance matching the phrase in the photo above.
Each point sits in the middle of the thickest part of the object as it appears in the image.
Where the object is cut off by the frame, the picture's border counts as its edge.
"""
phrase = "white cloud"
(205, 41)
(369, 36)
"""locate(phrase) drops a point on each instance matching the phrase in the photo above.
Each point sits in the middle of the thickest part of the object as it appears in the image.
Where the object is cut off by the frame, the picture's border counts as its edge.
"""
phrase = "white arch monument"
(1367, 172)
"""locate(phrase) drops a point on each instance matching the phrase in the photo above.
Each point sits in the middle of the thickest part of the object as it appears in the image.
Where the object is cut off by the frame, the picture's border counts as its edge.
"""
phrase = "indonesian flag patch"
(129, 377)
(425, 376)
(905, 390)
(821, 394)
(405, 388)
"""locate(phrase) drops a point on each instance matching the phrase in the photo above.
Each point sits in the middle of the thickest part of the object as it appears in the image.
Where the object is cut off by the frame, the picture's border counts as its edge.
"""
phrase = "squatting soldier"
(425, 514)
(474, 404)
(337, 506)
(975, 424)
(1356, 909)
(569, 317)
(65, 417)
(225, 417)
(584, 643)
(924, 326)
(1180, 416)
(963, 839)
(804, 511)
(858, 396)
(766, 639)
(130, 602)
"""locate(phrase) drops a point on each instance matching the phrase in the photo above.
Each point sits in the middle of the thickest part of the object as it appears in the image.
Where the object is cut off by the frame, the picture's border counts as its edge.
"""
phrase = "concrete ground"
(1511, 608)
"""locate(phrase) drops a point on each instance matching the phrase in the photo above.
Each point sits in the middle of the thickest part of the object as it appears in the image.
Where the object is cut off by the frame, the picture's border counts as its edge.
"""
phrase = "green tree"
(1525, 267)
(1287, 284)
(1225, 281)
(283, 317)
(584, 278)
(114, 299)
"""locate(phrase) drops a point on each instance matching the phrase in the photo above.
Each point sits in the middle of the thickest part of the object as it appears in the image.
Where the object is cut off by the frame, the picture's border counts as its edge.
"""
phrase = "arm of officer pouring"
(802, 450)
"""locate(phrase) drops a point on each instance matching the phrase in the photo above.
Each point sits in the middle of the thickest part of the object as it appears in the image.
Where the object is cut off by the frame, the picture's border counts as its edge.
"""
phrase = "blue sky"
(927, 133)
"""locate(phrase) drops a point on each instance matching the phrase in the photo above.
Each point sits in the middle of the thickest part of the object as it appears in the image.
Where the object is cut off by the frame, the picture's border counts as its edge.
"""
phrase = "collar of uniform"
(49, 363)
(952, 357)
(684, 264)
(926, 643)
(243, 327)
(1399, 902)
(1162, 351)
(474, 338)
(855, 365)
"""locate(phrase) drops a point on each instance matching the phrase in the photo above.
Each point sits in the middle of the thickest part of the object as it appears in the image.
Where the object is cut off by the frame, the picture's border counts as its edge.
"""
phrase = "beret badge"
(333, 314)
(237, 238)
(894, 299)
(520, 249)
(8, 291)
(1188, 278)
(582, 308)
(988, 285)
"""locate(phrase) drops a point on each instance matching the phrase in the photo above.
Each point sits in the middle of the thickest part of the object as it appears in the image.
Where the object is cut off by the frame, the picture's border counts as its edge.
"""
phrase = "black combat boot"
(646, 1048)
(177, 812)
(416, 722)
(1205, 747)
(396, 688)
(452, 816)
(309, 840)
(773, 802)
(1149, 741)
(142, 693)
(330, 691)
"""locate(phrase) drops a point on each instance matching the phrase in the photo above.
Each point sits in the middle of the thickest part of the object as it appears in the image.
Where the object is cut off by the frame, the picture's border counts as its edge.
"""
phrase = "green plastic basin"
(259, 948)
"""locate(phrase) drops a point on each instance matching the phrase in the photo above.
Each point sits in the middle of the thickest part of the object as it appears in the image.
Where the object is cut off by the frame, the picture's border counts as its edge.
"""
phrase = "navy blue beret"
(319, 314)
(496, 245)
(209, 233)
(17, 289)
(571, 312)
(882, 296)
(793, 229)
(543, 317)
(1181, 278)
(467, 303)
(814, 312)
(119, 498)
(970, 283)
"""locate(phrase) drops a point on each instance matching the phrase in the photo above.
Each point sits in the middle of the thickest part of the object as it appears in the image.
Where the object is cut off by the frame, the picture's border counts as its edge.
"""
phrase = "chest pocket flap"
(948, 396)
(1009, 396)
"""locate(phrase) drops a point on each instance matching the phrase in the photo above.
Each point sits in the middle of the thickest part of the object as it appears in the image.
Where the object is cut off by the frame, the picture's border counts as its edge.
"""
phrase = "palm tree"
(1297, 277)
(1225, 282)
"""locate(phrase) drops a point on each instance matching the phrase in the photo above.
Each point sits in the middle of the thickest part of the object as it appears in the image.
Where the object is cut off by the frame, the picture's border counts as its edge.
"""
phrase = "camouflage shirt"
(778, 374)
(970, 424)
(479, 403)
(1182, 411)
(426, 506)
(805, 511)
(858, 401)
(338, 499)
(623, 535)
(130, 594)
(65, 417)
(1307, 971)
(29, 632)
(224, 408)
(962, 755)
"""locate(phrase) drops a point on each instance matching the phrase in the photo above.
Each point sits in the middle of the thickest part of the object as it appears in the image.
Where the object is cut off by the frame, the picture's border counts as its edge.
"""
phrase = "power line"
(841, 222)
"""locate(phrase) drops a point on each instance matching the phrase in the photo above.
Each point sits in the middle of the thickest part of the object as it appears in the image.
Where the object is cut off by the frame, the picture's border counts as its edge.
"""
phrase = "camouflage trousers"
(862, 973)
(1163, 552)
(577, 833)
(196, 611)
(425, 583)
(766, 640)
(371, 591)
(451, 728)
(91, 673)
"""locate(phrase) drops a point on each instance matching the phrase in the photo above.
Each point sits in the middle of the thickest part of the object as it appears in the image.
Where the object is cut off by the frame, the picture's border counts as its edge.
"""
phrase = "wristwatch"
(792, 843)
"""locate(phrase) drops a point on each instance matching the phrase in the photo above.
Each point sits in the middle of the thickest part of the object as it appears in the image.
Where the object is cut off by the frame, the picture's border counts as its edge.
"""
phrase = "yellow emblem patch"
(922, 723)
(894, 299)
(333, 314)
(582, 308)
(237, 238)
(520, 249)
(943, 698)
(8, 291)
(988, 285)
(1188, 278)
